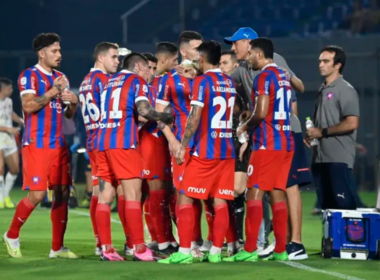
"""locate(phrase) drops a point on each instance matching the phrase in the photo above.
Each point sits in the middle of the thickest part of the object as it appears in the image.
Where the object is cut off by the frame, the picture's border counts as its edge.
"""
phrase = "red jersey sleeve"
(261, 85)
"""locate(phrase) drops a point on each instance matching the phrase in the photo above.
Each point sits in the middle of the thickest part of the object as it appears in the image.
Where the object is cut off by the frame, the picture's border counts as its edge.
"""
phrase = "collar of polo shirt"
(335, 82)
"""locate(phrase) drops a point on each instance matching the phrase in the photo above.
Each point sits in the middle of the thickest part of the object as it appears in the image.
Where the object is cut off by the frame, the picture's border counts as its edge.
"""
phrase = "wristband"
(325, 132)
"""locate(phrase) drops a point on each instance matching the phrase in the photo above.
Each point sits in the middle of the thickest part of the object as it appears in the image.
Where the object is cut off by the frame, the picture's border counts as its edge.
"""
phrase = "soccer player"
(8, 147)
(106, 56)
(209, 172)
(272, 151)
(167, 59)
(152, 60)
(118, 159)
(228, 62)
(45, 101)
(175, 89)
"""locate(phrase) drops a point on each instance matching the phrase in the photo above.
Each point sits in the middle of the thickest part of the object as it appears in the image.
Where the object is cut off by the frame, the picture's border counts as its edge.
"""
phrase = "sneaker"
(196, 253)
(113, 256)
(206, 246)
(216, 258)
(128, 251)
(63, 253)
(13, 246)
(2, 205)
(147, 256)
(8, 203)
(98, 251)
(296, 251)
(277, 257)
(264, 253)
(243, 256)
(178, 258)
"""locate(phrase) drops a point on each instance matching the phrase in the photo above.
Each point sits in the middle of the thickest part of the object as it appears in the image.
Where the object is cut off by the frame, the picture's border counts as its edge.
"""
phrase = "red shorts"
(45, 168)
(269, 170)
(119, 164)
(155, 157)
(177, 170)
(94, 167)
(204, 178)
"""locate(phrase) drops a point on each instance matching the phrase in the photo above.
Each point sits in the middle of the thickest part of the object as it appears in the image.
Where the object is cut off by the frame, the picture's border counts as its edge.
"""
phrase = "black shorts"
(241, 166)
(335, 185)
(299, 173)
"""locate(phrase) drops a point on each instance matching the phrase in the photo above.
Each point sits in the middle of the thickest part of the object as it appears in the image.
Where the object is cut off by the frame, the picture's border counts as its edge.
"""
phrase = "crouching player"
(210, 170)
(272, 151)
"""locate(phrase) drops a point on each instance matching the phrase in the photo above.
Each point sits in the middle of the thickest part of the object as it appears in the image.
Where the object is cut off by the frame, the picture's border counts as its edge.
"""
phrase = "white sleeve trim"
(27, 91)
(162, 102)
(194, 102)
(141, 98)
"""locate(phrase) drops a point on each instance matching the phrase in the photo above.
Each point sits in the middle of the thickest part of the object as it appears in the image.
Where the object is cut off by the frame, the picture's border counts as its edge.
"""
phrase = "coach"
(336, 119)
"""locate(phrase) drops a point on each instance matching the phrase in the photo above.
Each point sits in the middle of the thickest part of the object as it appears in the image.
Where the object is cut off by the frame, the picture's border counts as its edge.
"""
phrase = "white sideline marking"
(309, 268)
(88, 215)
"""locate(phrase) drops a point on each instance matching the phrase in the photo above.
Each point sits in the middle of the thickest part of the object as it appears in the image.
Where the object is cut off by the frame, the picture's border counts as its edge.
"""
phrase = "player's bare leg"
(2, 205)
(295, 213)
(59, 216)
(23, 210)
(13, 163)
(133, 194)
(103, 220)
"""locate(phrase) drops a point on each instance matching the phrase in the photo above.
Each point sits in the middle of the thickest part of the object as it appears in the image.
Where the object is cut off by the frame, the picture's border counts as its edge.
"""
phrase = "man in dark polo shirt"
(299, 174)
(336, 120)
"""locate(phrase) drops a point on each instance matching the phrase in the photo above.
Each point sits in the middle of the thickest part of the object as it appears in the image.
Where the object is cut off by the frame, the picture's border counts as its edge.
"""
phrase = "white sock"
(185, 251)
(215, 250)
(10, 180)
(231, 246)
(193, 244)
(1, 188)
(174, 244)
(163, 246)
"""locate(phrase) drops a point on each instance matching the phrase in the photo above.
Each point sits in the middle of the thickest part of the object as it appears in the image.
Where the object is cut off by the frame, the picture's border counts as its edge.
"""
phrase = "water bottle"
(310, 124)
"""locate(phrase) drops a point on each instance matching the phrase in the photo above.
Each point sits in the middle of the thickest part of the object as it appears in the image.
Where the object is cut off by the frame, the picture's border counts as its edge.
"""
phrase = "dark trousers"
(335, 185)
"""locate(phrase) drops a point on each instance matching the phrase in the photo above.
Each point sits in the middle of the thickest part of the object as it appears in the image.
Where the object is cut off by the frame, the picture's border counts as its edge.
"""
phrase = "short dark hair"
(5, 82)
(264, 44)
(166, 48)
(103, 47)
(131, 59)
(44, 40)
(213, 51)
(231, 53)
(150, 57)
(339, 57)
(187, 36)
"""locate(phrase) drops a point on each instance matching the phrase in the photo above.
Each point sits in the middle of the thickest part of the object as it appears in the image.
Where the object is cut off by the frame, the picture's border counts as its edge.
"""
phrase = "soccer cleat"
(63, 253)
(196, 253)
(128, 251)
(98, 251)
(152, 245)
(113, 256)
(296, 252)
(277, 257)
(147, 256)
(13, 246)
(2, 205)
(8, 203)
(264, 253)
(216, 258)
(206, 246)
(166, 252)
(243, 256)
(178, 258)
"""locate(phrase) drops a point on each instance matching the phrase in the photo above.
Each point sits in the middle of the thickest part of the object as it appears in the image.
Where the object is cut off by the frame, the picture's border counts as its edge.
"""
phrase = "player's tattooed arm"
(31, 103)
(148, 112)
(192, 124)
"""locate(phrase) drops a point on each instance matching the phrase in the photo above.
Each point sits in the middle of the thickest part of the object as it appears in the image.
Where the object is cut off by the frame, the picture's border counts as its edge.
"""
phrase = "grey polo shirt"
(245, 75)
(335, 102)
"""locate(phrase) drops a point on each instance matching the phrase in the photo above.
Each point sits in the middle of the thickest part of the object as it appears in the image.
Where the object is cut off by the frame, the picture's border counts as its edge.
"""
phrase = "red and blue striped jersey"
(43, 128)
(156, 82)
(176, 90)
(89, 98)
(119, 117)
(274, 132)
(215, 92)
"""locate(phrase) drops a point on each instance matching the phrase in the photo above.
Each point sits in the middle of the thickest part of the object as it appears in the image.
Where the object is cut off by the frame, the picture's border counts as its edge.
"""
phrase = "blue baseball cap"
(242, 33)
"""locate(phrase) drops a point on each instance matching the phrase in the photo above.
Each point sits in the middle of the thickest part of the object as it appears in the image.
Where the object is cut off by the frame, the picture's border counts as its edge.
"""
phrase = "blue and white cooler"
(351, 234)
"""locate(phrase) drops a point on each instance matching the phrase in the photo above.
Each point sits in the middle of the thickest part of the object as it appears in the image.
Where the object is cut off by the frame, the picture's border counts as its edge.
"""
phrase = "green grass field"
(36, 240)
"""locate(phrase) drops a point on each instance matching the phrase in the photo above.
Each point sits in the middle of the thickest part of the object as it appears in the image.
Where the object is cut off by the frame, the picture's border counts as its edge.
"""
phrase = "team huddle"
(160, 137)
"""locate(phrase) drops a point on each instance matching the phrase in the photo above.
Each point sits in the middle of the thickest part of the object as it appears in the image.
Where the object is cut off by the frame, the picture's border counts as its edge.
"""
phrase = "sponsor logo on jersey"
(56, 105)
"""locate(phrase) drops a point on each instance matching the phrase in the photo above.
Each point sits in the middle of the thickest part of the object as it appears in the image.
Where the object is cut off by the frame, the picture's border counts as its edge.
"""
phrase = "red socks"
(221, 222)
(93, 205)
(280, 223)
(209, 209)
(173, 206)
(103, 221)
(58, 217)
(148, 219)
(23, 211)
(157, 207)
(231, 234)
(135, 223)
(252, 224)
(121, 212)
(185, 224)
(197, 232)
